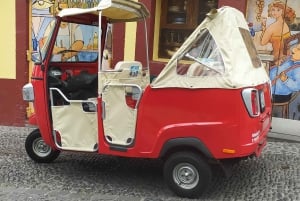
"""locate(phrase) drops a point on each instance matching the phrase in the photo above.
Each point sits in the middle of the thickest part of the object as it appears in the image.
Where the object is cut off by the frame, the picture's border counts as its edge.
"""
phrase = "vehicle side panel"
(211, 115)
(217, 117)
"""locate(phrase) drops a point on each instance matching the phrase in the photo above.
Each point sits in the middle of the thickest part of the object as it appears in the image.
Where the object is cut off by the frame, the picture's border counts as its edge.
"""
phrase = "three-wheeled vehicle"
(210, 104)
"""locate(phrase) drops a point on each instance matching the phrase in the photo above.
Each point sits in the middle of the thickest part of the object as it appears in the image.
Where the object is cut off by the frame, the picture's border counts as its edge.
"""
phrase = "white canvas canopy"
(114, 10)
(236, 51)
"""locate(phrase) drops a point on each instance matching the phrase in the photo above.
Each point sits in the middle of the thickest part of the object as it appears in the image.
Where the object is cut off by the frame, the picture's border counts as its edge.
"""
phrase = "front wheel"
(38, 150)
(187, 174)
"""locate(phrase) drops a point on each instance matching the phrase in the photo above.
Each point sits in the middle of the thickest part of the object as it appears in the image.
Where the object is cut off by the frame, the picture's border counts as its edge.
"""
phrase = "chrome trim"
(128, 85)
(28, 93)
(246, 93)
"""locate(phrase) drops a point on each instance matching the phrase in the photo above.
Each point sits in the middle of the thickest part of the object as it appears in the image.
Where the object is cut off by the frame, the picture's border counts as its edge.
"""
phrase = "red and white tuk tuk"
(211, 104)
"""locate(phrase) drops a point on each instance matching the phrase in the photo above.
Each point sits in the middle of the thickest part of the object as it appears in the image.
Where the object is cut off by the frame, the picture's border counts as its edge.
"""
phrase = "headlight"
(27, 92)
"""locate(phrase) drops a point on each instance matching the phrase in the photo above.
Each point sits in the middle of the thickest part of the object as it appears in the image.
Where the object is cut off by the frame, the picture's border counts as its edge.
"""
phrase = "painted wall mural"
(43, 12)
(275, 27)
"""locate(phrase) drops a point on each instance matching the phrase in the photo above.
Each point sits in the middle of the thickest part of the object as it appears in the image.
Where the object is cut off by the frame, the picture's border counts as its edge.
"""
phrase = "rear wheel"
(38, 150)
(187, 174)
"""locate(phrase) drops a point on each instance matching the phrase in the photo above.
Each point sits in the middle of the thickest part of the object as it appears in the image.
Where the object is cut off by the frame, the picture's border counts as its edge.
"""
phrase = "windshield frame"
(45, 49)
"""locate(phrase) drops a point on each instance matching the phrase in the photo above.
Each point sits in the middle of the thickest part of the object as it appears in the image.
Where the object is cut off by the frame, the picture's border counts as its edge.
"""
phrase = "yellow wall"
(8, 40)
(130, 41)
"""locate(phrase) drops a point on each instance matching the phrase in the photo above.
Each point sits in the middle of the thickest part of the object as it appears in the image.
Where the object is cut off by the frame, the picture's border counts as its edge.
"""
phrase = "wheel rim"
(186, 175)
(40, 148)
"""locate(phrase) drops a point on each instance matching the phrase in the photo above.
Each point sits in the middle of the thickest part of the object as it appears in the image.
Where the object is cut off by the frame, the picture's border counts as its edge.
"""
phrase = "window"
(206, 58)
(178, 19)
(74, 42)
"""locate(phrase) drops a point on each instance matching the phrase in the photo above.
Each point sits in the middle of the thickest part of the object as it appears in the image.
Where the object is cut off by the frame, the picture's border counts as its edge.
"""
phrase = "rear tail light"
(251, 99)
(254, 103)
(262, 101)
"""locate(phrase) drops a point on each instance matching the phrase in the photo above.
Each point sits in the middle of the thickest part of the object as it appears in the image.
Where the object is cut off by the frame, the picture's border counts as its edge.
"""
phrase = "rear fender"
(177, 144)
(188, 135)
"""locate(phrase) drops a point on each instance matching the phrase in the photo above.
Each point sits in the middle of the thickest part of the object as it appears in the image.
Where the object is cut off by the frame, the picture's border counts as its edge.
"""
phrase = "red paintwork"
(39, 81)
(217, 117)
(32, 119)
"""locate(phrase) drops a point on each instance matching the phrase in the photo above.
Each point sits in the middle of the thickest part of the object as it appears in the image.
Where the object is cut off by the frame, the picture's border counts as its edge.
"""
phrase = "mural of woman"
(279, 30)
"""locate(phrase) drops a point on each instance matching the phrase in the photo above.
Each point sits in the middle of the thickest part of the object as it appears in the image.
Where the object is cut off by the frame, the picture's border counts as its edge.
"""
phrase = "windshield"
(205, 55)
(45, 41)
(76, 43)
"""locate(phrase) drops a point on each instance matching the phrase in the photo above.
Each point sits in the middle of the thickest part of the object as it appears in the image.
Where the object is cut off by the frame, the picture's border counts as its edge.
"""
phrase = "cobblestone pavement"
(78, 176)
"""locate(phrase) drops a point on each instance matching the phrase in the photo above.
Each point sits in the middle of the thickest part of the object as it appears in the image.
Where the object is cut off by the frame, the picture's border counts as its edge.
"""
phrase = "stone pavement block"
(101, 197)
(92, 177)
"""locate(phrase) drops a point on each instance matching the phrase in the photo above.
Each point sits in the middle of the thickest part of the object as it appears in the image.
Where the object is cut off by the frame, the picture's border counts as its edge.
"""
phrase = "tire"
(187, 174)
(38, 150)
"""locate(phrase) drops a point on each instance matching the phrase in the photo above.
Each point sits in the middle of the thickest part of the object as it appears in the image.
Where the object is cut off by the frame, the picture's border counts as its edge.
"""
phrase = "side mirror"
(36, 57)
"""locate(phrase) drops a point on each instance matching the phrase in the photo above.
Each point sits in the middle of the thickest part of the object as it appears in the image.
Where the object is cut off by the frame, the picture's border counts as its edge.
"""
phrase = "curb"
(284, 137)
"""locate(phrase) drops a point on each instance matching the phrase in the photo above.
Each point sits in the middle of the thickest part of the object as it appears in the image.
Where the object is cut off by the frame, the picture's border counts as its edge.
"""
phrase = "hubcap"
(40, 148)
(185, 175)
